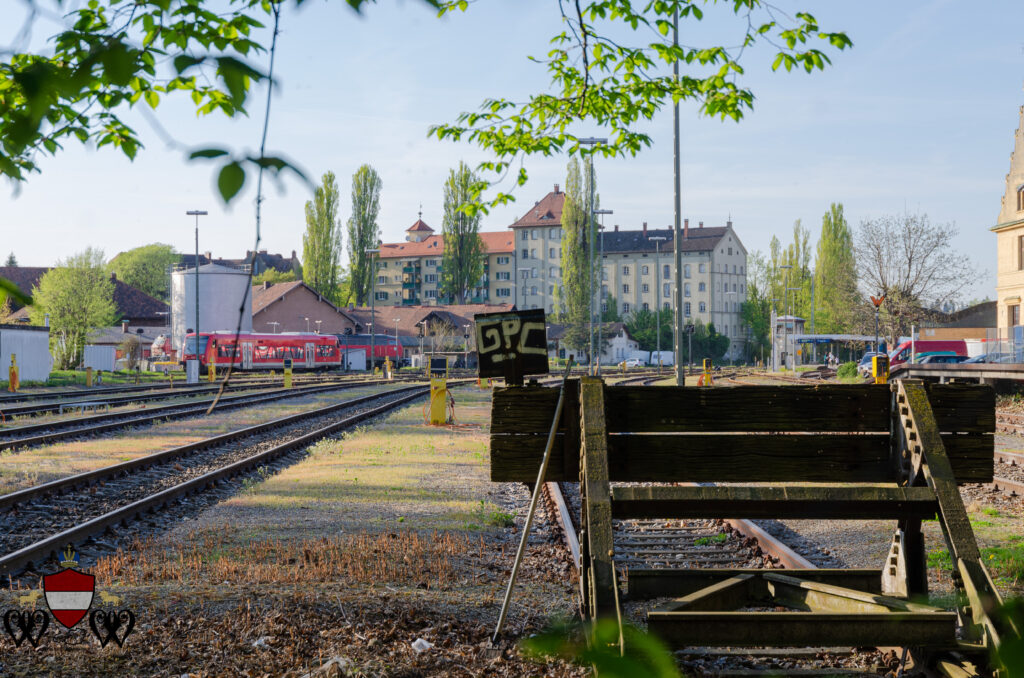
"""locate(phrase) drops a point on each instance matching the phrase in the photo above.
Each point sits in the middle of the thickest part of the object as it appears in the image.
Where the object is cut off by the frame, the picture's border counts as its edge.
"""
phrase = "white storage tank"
(30, 345)
(222, 290)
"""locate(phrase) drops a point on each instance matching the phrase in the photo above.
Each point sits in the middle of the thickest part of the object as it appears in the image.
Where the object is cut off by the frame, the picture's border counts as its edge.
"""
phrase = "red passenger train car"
(250, 351)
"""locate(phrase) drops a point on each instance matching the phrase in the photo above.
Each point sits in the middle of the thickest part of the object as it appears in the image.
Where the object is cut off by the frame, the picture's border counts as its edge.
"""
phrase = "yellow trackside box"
(12, 375)
(438, 402)
(880, 368)
(287, 372)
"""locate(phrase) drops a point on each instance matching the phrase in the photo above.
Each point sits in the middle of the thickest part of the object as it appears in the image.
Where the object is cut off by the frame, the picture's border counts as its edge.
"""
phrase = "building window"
(625, 307)
(686, 289)
(734, 269)
(533, 253)
(533, 290)
(552, 253)
(666, 271)
(686, 309)
(686, 270)
(533, 272)
(533, 234)
(604, 274)
(667, 306)
(643, 270)
(526, 236)
(645, 288)
(551, 290)
(1020, 199)
(701, 287)
(381, 296)
(430, 294)
(666, 289)
(430, 262)
(502, 292)
(703, 307)
(1013, 315)
(553, 272)
(734, 287)
(526, 253)
(646, 306)
(625, 289)
(553, 234)
(730, 251)
(702, 268)
(625, 270)
(604, 291)
(382, 279)
(503, 275)
(430, 278)
(1020, 252)
(524, 274)
(502, 260)
(741, 270)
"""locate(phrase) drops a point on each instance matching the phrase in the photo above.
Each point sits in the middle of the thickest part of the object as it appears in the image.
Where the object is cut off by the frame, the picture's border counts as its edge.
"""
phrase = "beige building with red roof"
(408, 273)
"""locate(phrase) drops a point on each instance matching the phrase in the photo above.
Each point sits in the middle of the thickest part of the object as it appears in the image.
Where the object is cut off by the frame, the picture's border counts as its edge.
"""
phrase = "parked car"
(901, 353)
(864, 366)
(633, 362)
(942, 358)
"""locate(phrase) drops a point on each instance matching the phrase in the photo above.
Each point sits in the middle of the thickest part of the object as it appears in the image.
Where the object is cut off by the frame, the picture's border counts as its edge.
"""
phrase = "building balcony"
(411, 269)
(414, 301)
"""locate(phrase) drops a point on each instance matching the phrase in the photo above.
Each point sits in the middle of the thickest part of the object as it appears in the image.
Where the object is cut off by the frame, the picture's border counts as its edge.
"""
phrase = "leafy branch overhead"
(599, 78)
(609, 67)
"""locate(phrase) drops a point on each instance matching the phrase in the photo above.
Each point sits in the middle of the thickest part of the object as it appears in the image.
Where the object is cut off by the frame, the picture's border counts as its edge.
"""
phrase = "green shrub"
(847, 370)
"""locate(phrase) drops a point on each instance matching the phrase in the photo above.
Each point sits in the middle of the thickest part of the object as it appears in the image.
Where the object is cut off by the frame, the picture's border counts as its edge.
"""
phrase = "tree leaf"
(230, 180)
(207, 153)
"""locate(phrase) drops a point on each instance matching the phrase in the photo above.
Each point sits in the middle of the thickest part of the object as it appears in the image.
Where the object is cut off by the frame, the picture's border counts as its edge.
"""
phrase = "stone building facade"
(1009, 230)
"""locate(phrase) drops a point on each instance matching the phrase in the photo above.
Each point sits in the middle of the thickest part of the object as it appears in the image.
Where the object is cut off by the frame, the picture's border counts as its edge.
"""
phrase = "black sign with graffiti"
(512, 344)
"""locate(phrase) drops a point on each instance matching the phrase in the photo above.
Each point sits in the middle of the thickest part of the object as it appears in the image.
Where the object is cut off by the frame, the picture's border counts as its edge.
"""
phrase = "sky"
(918, 116)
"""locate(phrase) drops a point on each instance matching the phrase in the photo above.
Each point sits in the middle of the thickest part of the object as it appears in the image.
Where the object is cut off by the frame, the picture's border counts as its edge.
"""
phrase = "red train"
(250, 351)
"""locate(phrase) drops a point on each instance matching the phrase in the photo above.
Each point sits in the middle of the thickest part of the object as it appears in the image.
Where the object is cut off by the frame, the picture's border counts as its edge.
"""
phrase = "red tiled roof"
(409, 316)
(132, 304)
(494, 242)
(547, 212)
(419, 226)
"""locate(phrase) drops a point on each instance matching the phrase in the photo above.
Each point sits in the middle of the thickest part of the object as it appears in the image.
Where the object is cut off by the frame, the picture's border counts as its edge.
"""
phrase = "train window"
(226, 351)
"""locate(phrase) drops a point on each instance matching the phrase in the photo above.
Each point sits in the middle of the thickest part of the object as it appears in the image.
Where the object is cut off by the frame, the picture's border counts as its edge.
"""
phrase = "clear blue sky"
(919, 115)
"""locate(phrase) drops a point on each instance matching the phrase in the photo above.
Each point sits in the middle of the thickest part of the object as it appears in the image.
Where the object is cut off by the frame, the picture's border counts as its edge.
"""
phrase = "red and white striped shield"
(69, 595)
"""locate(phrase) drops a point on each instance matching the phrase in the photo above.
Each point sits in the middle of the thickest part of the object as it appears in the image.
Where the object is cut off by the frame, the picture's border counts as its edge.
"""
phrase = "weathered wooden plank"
(602, 591)
(733, 458)
(804, 629)
(822, 597)
(728, 594)
(645, 584)
(821, 408)
(967, 408)
(701, 501)
(525, 409)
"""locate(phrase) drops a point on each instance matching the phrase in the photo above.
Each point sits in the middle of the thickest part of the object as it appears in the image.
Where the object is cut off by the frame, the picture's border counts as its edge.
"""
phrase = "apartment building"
(638, 268)
(1010, 240)
(409, 273)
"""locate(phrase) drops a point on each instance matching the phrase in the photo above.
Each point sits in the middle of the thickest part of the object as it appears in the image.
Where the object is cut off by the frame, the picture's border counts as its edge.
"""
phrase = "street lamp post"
(657, 291)
(600, 288)
(677, 232)
(774, 322)
(792, 318)
(373, 298)
(307, 324)
(274, 323)
(465, 345)
(591, 141)
(197, 214)
(785, 299)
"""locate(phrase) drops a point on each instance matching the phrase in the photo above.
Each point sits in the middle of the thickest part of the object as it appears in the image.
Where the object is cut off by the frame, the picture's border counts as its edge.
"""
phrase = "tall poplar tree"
(835, 273)
(321, 243)
(577, 231)
(462, 265)
(363, 231)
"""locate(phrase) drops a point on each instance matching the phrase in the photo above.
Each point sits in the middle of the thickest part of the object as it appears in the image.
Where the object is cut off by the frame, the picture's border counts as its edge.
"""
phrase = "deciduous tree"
(146, 268)
(462, 264)
(321, 243)
(577, 231)
(363, 231)
(835, 274)
(79, 297)
(914, 264)
(273, 276)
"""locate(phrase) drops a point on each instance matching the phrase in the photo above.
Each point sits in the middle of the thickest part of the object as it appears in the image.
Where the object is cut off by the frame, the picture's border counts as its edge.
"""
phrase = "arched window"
(1020, 199)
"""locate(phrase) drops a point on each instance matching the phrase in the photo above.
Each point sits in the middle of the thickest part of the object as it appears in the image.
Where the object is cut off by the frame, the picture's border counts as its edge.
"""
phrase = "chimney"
(124, 327)
(616, 228)
(686, 228)
(556, 189)
(263, 252)
(645, 229)
(293, 254)
(113, 277)
(266, 285)
(702, 224)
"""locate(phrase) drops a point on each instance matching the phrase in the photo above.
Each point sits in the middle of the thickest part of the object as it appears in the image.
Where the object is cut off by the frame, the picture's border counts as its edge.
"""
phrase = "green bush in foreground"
(847, 370)
(645, 657)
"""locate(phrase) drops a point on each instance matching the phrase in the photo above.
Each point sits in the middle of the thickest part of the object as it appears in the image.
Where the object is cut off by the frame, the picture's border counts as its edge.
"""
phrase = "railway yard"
(327, 530)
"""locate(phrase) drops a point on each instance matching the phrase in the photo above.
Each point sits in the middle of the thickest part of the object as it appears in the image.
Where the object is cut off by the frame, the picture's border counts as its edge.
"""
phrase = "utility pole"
(373, 302)
(677, 228)
(600, 289)
(785, 306)
(197, 214)
(657, 291)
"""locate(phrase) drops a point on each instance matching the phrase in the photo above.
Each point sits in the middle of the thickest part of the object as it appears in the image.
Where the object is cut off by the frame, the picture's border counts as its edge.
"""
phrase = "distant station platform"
(831, 338)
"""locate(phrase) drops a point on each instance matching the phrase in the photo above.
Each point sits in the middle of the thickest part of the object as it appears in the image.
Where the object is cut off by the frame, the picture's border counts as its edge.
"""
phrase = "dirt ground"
(384, 553)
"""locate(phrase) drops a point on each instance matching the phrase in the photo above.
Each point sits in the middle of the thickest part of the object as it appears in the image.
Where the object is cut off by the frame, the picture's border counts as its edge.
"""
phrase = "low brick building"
(295, 307)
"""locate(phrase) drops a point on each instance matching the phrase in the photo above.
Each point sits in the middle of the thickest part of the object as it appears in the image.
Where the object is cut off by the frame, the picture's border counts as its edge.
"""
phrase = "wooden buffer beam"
(826, 451)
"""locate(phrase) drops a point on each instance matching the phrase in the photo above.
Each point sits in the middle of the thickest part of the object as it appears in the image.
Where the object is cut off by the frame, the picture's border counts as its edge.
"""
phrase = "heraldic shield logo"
(69, 592)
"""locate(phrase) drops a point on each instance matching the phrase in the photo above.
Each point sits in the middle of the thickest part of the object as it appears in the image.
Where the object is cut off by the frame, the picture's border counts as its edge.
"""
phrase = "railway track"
(37, 434)
(38, 521)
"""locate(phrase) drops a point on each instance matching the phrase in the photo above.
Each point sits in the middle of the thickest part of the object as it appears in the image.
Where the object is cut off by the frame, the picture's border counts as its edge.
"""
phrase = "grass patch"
(708, 541)
(989, 511)
(1003, 562)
